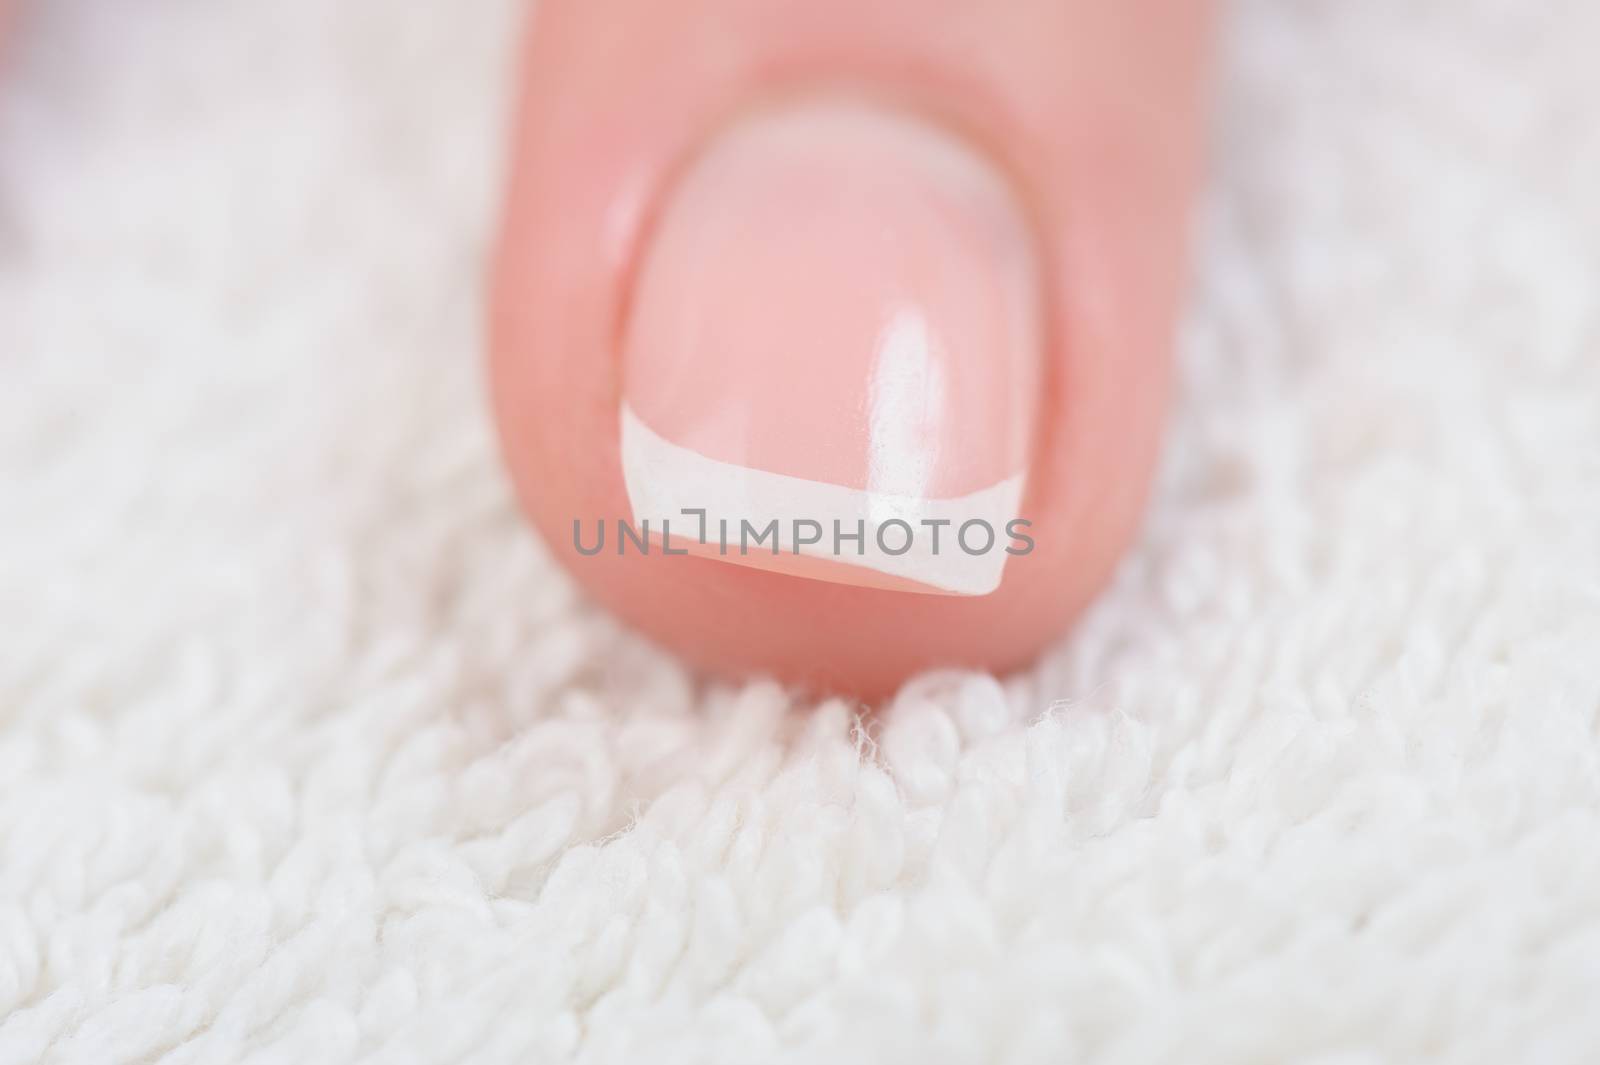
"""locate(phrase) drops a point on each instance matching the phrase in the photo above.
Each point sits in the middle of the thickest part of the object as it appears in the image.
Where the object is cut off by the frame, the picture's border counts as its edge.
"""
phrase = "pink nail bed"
(836, 320)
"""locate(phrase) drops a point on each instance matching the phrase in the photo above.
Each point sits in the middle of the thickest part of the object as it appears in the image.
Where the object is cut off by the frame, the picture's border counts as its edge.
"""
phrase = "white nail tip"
(664, 480)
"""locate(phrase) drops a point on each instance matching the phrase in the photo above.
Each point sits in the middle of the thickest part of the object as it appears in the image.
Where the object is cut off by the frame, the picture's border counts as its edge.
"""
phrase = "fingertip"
(800, 301)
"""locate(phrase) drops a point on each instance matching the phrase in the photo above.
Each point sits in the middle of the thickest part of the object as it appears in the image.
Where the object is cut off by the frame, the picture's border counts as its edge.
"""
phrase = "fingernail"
(835, 327)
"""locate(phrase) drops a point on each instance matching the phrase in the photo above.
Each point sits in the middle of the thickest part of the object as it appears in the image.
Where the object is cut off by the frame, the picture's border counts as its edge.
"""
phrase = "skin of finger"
(1094, 112)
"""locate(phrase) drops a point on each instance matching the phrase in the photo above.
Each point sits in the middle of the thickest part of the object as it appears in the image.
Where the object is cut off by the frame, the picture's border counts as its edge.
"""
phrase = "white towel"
(309, 754)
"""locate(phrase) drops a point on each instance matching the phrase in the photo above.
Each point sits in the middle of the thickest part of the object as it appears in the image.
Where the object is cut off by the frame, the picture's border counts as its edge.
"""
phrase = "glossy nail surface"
(835, 327)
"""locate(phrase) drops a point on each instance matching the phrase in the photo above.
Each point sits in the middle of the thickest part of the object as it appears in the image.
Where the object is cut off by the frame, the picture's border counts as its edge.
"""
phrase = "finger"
(836, 262)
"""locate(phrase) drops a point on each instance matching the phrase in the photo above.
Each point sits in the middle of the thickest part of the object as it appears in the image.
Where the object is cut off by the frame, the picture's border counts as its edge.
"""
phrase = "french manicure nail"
(834, 328)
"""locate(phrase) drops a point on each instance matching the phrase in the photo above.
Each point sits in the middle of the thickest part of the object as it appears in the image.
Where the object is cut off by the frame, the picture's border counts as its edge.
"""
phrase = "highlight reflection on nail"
(836, 319)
